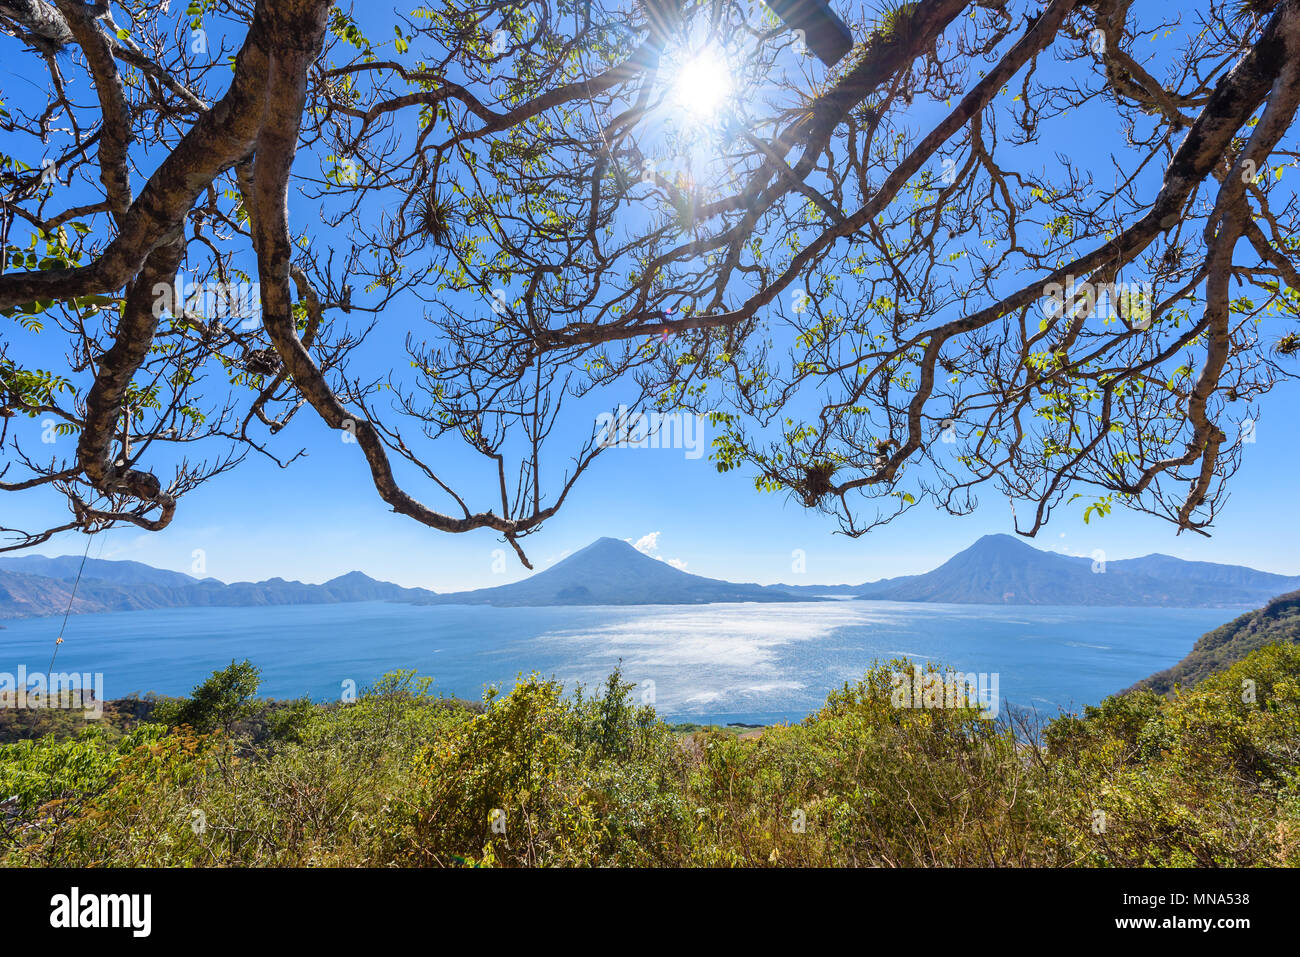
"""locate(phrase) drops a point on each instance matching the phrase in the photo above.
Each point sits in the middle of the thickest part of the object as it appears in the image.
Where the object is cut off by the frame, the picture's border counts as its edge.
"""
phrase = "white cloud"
(647, 544)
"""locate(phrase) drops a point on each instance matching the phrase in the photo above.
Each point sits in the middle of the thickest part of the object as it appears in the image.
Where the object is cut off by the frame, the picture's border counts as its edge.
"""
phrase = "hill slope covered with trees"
(1278, 622)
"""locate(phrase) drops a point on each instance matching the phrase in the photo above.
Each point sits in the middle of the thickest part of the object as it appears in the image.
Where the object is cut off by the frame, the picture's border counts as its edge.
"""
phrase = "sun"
(703, 84)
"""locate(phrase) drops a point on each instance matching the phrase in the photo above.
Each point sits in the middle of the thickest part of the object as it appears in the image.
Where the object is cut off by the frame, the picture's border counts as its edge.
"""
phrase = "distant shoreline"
(58, 615)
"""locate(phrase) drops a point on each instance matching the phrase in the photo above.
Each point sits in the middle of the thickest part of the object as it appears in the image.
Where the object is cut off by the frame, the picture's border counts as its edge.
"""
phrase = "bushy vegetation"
(538, 777)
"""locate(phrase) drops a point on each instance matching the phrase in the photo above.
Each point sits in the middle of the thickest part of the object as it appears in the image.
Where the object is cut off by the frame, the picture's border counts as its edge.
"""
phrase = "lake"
(721, 663)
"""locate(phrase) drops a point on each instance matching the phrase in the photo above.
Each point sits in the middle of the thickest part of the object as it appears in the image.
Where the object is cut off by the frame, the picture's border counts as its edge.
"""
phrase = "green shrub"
(537, 777)
(218, 703)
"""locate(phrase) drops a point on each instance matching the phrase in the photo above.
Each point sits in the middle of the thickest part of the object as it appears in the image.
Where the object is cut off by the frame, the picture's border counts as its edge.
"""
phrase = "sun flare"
(704, 84)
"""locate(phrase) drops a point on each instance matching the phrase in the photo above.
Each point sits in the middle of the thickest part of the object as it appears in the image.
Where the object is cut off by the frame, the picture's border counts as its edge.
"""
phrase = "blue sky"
(321, 517)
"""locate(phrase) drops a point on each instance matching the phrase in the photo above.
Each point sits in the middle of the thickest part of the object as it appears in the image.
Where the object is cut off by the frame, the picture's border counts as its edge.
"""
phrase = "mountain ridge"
(25, 595)
(996, 569)
(628, 577)
(1003, 569)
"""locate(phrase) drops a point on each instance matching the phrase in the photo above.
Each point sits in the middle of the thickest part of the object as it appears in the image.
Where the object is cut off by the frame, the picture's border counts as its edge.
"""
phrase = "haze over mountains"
(996, 570)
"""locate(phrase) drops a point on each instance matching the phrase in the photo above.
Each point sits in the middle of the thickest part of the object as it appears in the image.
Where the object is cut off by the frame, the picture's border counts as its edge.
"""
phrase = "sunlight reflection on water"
(752, 663)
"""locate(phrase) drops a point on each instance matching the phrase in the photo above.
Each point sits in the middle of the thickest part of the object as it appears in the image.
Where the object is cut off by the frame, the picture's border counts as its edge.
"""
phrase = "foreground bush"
(536, 777)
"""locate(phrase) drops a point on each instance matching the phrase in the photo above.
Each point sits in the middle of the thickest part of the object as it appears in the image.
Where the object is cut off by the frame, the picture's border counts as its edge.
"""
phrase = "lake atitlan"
(719, 663)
